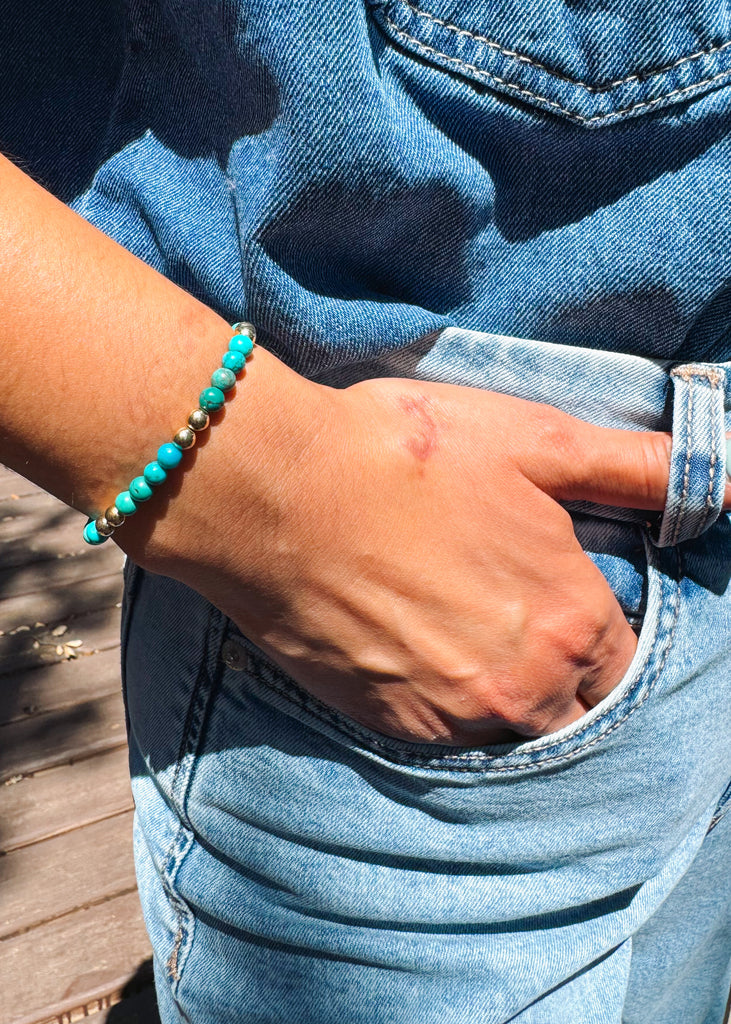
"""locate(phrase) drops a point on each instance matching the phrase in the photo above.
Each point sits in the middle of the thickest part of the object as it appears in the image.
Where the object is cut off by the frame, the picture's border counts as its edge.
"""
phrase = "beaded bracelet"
(170, 455)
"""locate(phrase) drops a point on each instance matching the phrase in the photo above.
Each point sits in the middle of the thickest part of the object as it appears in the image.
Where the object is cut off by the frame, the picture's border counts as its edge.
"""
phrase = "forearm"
(104, 358)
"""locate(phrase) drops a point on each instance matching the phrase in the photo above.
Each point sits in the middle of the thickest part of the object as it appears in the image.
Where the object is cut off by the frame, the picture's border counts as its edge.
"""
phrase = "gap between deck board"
(53, 878)
(84, 955)
(61, 736)
(58, 799)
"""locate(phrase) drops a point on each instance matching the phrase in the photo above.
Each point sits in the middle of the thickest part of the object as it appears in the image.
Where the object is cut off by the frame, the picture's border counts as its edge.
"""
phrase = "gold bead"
(198, 419)
(103, 527)
(244, 327)
(185, 438)
(114, 516)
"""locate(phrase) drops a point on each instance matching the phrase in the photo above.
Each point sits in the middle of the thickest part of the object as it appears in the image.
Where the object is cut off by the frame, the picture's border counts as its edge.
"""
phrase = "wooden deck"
(72, 941)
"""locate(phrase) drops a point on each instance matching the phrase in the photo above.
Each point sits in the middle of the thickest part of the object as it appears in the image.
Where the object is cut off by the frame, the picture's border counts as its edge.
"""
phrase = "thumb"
(572, 460)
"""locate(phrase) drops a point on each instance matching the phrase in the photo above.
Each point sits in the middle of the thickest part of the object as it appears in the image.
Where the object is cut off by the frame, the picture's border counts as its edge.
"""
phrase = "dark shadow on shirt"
(58, 77)
(548, 173)
(80, 81)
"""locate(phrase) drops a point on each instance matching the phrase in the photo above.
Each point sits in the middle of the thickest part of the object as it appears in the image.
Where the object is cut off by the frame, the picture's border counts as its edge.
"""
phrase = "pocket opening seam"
(198, 706)
(271, 678)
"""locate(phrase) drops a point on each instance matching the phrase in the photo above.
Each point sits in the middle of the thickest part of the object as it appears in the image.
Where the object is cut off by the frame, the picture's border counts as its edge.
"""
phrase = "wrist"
(245, 487)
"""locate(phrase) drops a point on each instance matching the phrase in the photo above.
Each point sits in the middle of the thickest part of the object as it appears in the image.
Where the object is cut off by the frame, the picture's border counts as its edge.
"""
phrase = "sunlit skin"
(396, 546)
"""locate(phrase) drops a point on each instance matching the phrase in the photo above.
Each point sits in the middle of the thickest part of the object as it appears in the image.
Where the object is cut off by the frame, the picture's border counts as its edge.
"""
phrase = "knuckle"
(533, 717)
(586, 641)
(531, 704)
(555, 431)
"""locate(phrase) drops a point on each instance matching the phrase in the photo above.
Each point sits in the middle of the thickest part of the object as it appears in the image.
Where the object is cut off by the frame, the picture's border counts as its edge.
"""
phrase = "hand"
(397, 546)
(411, 566)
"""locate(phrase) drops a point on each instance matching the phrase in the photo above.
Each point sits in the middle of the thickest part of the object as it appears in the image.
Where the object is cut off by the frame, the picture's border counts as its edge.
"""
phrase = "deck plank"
(139, 1009)
(98, 631)
(77, 869)
(62, 541)
(67, 963)
(62, 736)
(71, 933)
(59, 685)
(29, 515)
(36, 575)
(14, 484)
(36, 526)
(54, 801)
(57, 604)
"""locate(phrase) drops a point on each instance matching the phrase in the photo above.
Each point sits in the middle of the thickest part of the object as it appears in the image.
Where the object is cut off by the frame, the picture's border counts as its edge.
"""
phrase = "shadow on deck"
(72, 942)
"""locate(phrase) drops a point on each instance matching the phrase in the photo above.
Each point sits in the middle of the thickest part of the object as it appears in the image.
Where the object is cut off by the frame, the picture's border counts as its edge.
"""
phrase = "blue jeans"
(411, 187)
(295, 866)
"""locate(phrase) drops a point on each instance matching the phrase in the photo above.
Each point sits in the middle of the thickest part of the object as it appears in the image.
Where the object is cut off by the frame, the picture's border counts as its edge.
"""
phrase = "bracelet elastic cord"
(170, 455)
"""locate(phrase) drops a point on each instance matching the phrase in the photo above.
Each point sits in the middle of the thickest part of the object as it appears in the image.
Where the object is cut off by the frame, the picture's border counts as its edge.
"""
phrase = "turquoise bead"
(169, 455)
(211, 399)
(125, 504)
(240, 343)
(154, 474)
(234, 361)
(223, 379)
(140, 489)
(90, 534)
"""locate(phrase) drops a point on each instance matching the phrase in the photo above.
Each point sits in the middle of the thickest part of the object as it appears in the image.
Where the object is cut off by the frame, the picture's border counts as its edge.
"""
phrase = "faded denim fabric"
(295, 866)
(530, 197)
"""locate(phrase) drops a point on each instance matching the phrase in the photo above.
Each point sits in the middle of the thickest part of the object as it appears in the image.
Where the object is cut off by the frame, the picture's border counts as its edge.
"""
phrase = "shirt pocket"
(589, 63)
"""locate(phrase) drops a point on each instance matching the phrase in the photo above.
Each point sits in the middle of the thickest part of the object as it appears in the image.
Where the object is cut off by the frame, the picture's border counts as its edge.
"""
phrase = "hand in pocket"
(413, 568)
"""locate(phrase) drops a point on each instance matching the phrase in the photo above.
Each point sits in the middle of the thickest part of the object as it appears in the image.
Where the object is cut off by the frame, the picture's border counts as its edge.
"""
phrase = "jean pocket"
(657, 613)
(618, 551)
(565, 59)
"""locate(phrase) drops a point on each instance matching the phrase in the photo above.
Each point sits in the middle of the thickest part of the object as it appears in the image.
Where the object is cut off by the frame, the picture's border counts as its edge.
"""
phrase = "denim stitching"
(183, 916)
(522, 91)
(690, 375)
(523, 58)
(712, 468)
(723, 806)
(192, 719)
(691, 372)
(466, 761)
(686, 470)
(183, 840)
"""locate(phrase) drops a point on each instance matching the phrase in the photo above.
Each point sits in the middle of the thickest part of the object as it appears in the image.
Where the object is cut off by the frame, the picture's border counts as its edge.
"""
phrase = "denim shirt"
(354, 175)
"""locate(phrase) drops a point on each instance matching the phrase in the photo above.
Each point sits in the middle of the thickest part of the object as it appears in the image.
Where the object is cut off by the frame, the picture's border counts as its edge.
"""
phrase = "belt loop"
(697, 465)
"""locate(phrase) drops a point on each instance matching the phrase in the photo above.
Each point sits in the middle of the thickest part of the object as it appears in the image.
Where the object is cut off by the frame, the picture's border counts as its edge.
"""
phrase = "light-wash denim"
(533, 197)
(297, 867)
